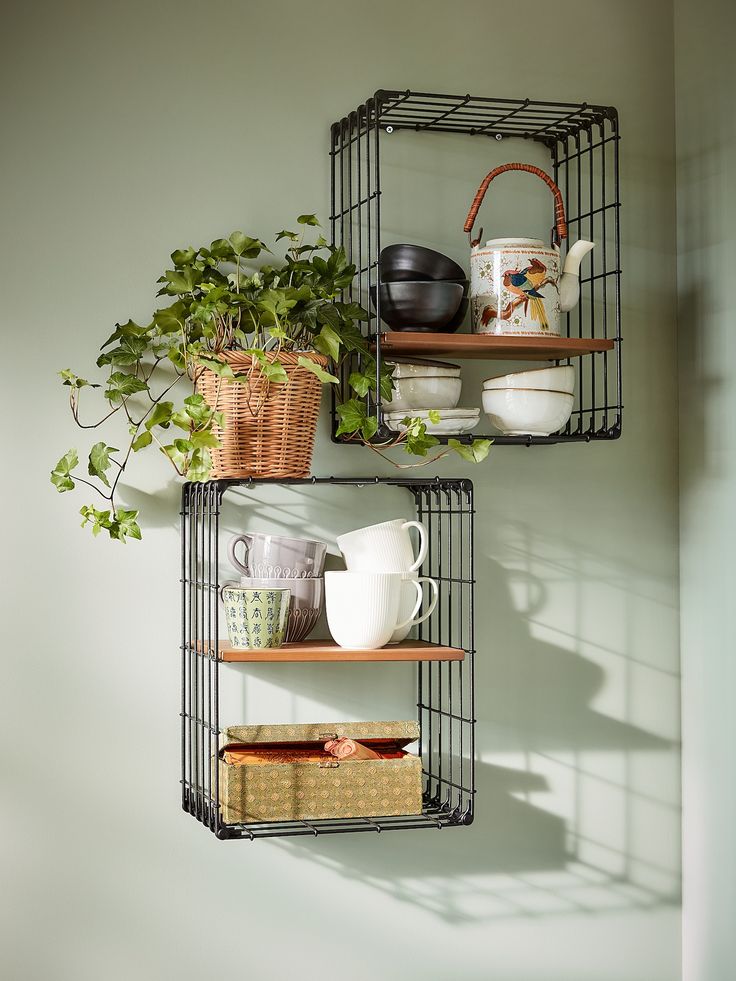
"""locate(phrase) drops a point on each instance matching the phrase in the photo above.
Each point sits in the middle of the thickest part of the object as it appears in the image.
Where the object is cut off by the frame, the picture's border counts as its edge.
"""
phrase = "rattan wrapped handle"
(560, 228)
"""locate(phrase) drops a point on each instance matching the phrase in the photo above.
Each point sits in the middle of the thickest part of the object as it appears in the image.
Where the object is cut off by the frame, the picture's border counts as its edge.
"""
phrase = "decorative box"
(287, 775)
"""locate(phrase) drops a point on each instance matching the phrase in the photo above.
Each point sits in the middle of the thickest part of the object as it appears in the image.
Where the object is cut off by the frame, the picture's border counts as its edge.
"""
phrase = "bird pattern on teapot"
(515, 292)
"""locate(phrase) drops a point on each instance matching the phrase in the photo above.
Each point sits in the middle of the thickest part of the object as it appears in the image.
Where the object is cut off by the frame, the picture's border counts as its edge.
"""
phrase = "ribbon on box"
(348, 749)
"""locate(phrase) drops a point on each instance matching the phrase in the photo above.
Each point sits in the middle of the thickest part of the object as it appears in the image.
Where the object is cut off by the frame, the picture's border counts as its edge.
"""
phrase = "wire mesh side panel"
(200, 667)
(355, 222)
(446, 689)
(586, 168)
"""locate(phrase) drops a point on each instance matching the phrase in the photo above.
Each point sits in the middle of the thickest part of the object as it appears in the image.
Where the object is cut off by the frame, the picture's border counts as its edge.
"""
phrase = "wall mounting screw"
(389, 129)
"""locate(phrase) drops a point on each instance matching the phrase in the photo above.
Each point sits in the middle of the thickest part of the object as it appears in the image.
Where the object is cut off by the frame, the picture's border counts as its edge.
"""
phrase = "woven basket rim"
(286, 357)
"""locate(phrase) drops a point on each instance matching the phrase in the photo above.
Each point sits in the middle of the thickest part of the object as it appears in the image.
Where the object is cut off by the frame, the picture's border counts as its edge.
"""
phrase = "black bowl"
(399, 263)
(424, 306)
(457, 320)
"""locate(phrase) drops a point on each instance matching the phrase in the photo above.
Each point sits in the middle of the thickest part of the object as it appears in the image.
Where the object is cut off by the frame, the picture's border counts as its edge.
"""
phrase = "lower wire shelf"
(433, 817)
(443, 657)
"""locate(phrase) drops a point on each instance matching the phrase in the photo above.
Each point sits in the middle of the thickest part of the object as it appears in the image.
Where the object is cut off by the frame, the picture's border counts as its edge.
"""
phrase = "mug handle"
(420, 597)
(433, 601)
(423, 544)
(235, 561)
(225, 585)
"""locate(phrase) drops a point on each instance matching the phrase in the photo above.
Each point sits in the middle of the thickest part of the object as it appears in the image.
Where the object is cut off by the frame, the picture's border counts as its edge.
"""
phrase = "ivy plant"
(218, 301)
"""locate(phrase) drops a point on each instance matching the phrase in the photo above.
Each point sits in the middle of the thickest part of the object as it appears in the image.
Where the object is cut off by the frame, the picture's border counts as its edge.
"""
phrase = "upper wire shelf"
(582, 140)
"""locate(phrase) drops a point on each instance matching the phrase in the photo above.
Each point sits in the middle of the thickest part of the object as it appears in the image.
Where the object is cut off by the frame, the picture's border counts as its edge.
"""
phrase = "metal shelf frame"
(445, 690)
(583, 143)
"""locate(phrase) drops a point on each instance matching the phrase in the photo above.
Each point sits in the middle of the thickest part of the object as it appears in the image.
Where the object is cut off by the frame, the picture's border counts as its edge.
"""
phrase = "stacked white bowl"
(421, 387)
(530, 403)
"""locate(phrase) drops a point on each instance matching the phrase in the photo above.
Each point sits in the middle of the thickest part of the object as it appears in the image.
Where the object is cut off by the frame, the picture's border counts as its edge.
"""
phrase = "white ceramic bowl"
(420, 368)
(560, 378)
(425, 392)
(453, 422)
(525, 412)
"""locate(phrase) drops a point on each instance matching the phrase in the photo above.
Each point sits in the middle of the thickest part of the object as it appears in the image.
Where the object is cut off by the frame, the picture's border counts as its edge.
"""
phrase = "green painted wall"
(131, 129)
(706, 199)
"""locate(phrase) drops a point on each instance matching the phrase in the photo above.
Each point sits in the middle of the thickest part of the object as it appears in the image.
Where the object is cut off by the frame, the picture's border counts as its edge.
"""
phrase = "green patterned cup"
(256, 618)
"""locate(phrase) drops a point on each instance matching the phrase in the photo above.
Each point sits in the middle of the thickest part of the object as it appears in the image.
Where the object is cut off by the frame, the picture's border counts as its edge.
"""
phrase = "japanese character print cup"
(256, 618)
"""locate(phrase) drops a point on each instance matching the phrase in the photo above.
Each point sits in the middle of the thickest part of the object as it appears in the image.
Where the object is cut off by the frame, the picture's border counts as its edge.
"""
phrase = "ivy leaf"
(328, 342)
(169, 320)
(160, 415)
(387, 384)
(308, 220)
(197, 409)
(354, 418)
(61, 474)
(178, 458)
(243, 245)
(361, 382)
(418, 440)
(473, 452)
(180, 281)
(200, 465)
(145, 439)
(369, 427)
(204, 438)
(129, 352)
(318, 370)
(352, 311)
(100, 462)
(120, 385)
(119, 526)
(352, 415)
(294, 236)
(182, 257)
(129, 329)
(221, 249)
(74, 381)
(176, 357)
(434, 416)
(221, 368)
(275, 372)
(98, 519)
(125, 525)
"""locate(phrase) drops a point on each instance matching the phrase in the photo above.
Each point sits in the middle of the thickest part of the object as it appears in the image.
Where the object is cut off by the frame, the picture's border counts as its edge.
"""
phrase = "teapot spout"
(570, 278)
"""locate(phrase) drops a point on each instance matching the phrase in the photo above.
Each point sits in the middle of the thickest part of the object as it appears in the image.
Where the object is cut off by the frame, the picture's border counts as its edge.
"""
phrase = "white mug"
(405, 605)
(363, 607)
(383, 548)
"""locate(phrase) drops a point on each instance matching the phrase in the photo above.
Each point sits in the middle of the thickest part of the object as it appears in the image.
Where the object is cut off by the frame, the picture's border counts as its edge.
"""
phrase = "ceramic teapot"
(515, 283)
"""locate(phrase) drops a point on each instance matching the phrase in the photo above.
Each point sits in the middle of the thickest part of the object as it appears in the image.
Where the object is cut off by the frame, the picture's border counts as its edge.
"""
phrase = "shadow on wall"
(559, 833)
(577, 777)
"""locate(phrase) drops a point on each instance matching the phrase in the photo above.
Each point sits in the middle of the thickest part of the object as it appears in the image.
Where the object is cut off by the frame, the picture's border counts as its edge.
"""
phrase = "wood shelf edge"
(491, 347)
(326, 651)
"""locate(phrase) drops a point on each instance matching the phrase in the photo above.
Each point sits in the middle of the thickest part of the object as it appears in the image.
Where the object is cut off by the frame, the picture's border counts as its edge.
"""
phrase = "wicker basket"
(270, 428)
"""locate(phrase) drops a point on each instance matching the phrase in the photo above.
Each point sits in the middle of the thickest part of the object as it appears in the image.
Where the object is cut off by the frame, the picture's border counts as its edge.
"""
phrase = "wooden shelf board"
(327, 650)
(490, 346)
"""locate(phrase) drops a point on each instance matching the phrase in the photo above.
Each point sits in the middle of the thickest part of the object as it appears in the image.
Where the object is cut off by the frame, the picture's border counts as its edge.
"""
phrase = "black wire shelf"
(445, 685)
(583, 144)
